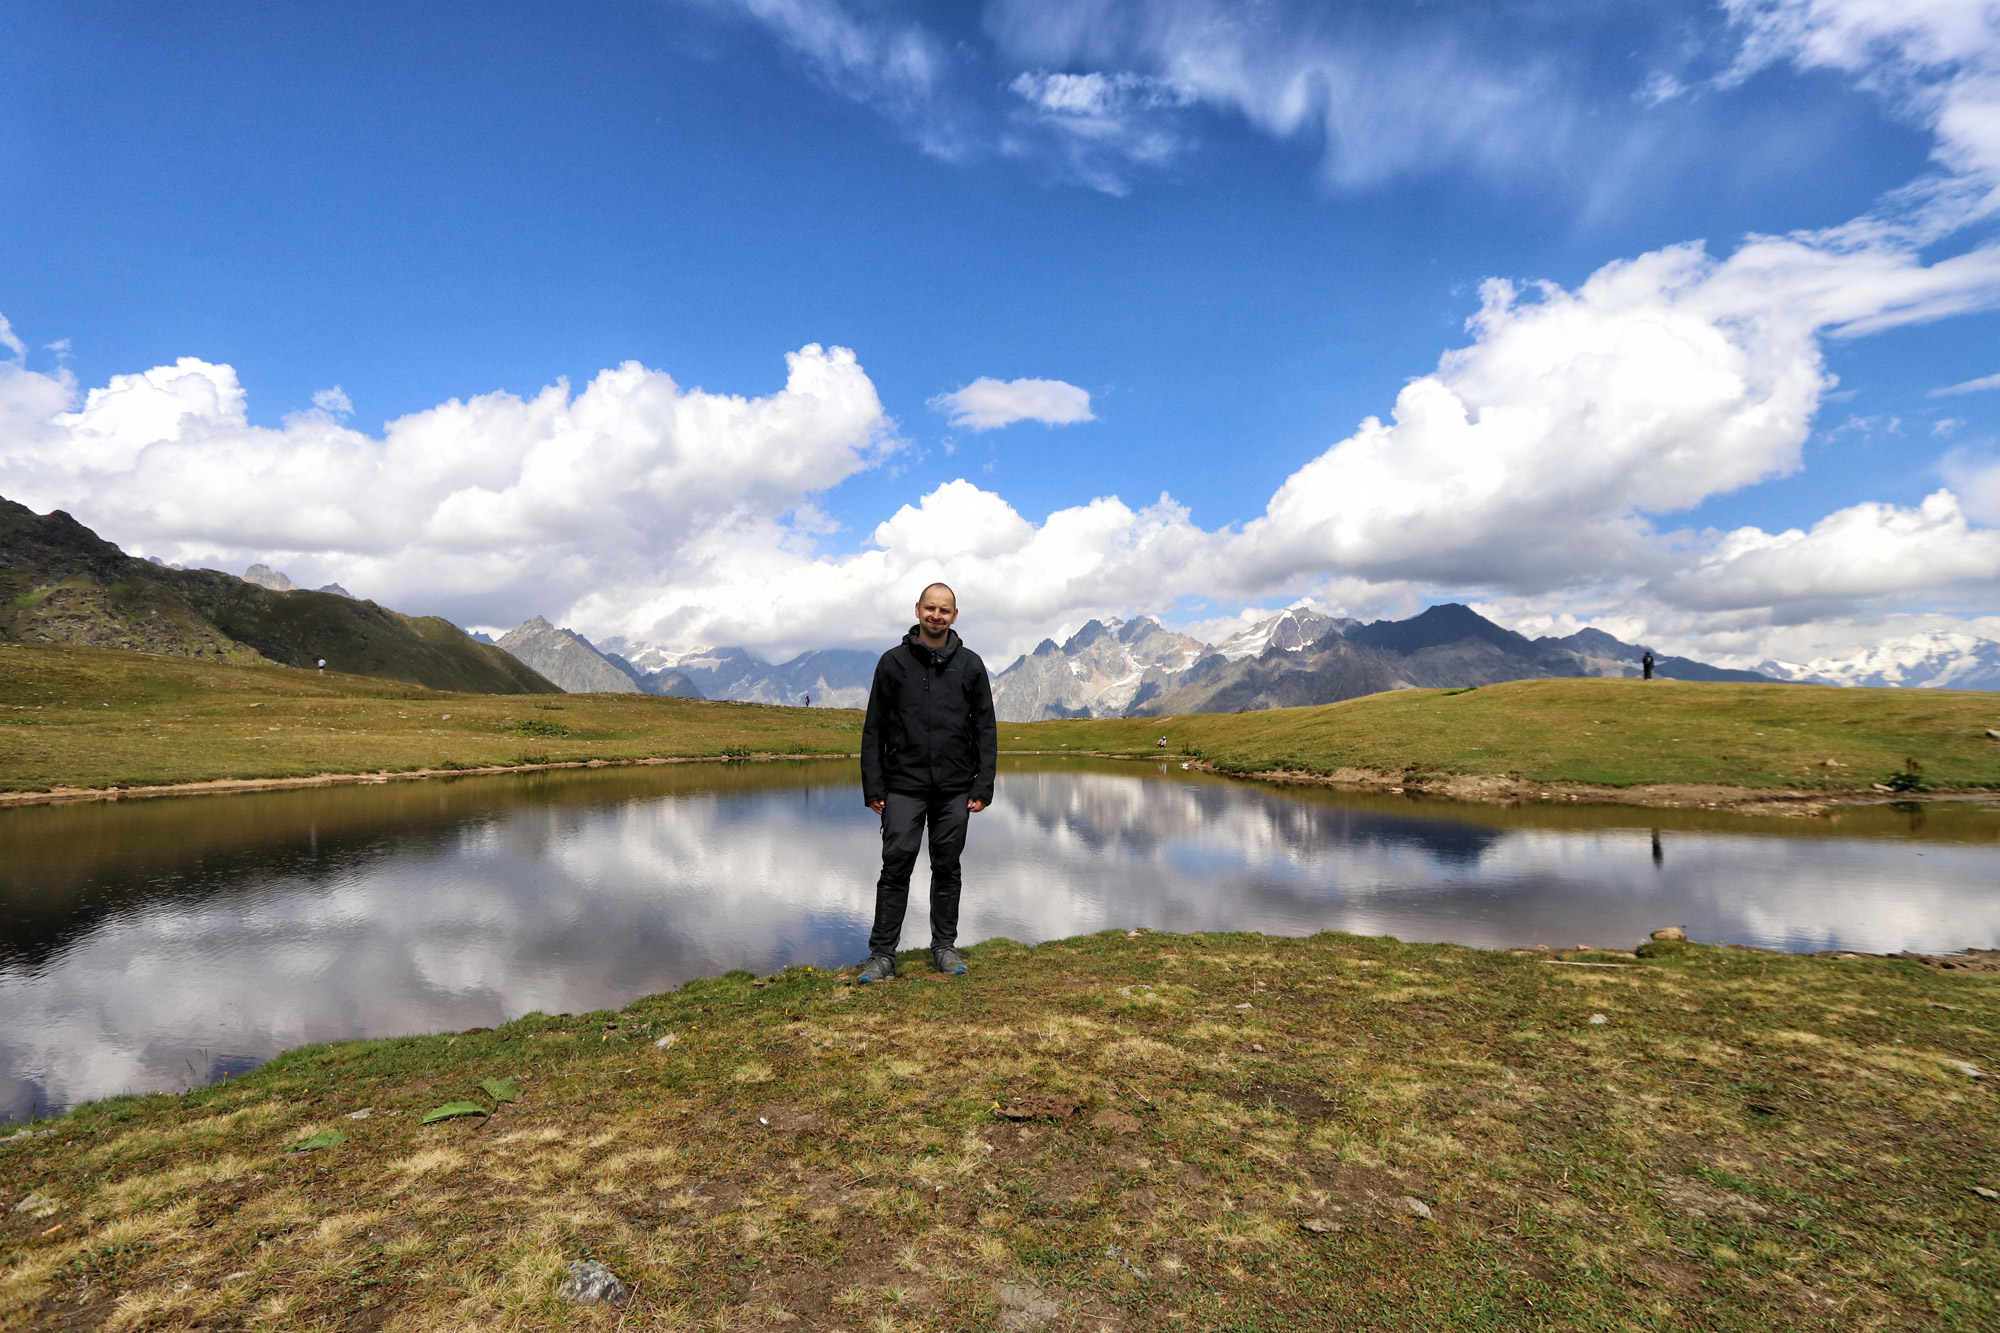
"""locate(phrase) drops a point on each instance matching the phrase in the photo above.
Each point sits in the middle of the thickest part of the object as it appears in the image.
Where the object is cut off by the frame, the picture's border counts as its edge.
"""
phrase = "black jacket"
(930, 724)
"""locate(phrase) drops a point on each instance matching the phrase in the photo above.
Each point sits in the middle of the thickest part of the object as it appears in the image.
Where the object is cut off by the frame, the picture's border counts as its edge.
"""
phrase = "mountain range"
(62, 583)
(1935, 659)
(1140, 668)
(1136, 668)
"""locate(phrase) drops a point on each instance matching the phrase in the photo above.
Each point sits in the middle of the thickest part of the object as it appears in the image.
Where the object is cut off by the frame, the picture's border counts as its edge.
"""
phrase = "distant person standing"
(1646, 664)
(929, 749)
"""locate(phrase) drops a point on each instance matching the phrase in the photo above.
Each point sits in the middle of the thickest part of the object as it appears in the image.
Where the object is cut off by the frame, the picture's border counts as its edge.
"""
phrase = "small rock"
(362, 1114)
(1416, 1207)
(1967, 1068)
(591, 1283)
(1115, 1120)
(1024, 1306)
(1319, 1226)
(664, 1042)
(36, 1205)
(1985, 1193)
(1992, 735)
(1673, 933)
(1242, 1006)
(1598, 1019)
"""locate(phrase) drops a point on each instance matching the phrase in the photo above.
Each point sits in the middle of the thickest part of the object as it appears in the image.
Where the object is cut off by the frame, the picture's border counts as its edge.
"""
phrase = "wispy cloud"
(1970, 386)
(988, 404)
(894, 64)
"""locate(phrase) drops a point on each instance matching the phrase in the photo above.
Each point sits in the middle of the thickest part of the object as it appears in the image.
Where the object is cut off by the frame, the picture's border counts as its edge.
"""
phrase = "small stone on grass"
(591, 1283)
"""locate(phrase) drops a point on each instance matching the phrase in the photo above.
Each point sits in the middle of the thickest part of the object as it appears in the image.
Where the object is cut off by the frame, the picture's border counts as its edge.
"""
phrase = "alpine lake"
(161, 943)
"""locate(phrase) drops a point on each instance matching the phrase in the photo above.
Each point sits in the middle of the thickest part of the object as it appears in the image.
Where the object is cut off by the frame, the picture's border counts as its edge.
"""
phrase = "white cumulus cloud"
(988, 404)
(487, 508)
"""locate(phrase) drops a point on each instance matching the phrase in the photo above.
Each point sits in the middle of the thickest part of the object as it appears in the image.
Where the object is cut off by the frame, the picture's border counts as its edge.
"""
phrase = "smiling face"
(936, 610)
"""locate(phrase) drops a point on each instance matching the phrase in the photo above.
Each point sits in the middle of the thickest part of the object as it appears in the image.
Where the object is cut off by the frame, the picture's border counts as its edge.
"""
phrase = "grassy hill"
(62, 583)
(1613, 733)
(1219, 1131)
(84, 717)
(91, 717)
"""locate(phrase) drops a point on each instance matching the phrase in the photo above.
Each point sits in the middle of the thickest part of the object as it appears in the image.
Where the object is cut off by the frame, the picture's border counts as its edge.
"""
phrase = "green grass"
(86, 717)
(1613, 733)
(1750, 1141)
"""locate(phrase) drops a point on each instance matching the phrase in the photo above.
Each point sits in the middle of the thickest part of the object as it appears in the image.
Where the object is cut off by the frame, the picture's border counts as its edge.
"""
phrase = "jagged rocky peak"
(266, 577)
(567, 658)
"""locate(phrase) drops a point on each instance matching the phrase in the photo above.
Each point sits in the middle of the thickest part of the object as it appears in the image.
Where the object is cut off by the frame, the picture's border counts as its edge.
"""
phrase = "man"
(928, 753)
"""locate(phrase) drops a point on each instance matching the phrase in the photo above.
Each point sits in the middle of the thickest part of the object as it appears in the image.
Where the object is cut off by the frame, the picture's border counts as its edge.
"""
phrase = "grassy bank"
(1746, 1141)
(84, 717)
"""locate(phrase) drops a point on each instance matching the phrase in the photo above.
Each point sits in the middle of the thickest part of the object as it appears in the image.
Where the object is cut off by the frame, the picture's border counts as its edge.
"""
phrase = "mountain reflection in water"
(158, 943)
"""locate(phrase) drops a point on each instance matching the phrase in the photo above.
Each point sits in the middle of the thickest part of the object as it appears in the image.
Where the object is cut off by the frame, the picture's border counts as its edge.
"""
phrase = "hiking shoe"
(879, 967)
(948, 961)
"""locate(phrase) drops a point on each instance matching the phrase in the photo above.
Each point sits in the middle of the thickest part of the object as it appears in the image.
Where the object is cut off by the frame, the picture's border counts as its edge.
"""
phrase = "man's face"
(936, 612)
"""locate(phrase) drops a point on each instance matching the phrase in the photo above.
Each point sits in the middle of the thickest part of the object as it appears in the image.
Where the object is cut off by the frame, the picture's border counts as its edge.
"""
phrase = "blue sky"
(1241, 236)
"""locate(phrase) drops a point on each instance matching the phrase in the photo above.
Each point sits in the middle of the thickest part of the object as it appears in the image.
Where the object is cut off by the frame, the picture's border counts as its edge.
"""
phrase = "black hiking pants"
(904, 821)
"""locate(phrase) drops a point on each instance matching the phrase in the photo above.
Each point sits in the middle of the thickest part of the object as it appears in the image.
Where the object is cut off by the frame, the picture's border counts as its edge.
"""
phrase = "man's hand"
(975, 806)
(877, 806)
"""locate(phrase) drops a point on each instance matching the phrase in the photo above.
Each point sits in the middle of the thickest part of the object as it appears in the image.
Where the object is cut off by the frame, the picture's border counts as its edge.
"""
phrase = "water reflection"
(159, 943)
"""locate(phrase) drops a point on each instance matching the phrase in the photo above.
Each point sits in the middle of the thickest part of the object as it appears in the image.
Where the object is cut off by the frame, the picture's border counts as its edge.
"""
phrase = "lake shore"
(84, 723)
(1474, 788)
(1138, 1130)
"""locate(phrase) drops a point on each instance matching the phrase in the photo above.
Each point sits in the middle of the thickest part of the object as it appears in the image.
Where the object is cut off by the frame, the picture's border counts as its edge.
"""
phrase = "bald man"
(928, 753)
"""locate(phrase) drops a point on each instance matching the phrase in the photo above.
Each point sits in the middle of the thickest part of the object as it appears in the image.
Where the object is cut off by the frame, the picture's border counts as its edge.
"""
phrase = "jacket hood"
(915, 641)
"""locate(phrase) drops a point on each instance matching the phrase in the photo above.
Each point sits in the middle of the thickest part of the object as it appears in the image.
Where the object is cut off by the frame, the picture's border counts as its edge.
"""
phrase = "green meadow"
(94, 718)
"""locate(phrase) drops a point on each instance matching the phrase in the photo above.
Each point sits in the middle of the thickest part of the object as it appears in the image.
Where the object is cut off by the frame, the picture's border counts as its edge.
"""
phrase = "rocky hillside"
(567, 658)
(62, 583)
(580, 667)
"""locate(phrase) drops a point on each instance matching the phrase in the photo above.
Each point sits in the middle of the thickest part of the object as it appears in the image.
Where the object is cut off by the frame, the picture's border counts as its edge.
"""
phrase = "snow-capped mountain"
(1291, 629)
(1099, 672)
(1936, 660)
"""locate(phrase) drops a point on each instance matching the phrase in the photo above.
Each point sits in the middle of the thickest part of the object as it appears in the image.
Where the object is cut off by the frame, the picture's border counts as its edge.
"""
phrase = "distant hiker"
(1646, 664)
(322, 664)
(929, 748)
(809, 701)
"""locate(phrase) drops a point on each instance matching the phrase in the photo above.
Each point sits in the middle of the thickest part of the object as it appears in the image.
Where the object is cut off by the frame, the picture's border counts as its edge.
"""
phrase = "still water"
(156, 944)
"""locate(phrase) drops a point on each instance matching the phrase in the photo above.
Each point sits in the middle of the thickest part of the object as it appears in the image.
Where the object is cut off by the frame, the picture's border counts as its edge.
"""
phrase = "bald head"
(944, 593)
